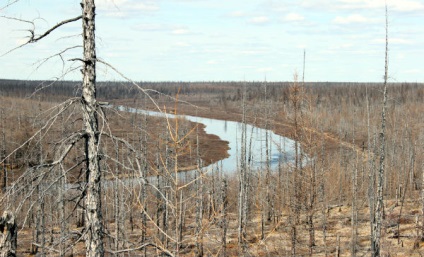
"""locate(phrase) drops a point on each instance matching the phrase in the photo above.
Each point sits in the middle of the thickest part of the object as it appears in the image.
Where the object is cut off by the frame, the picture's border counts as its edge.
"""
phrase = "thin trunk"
(3, 152)
(62, 212)
(422, 195)
(310, 221)
(224, 221)
(116, 201)
(354, 213)
(380, 177)
(403, 194)
(199, 201)
(144, 188)
(63, 232)
(180, 220)
(199, 216)
(370, 162)
(242, 182)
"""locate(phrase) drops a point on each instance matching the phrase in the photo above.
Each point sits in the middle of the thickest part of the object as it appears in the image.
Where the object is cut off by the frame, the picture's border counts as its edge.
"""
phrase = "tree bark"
(93, 214)
(9, 235)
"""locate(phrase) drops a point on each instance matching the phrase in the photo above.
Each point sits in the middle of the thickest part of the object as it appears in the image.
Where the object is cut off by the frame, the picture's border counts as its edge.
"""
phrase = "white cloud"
(152, 27)
(275, 5)
(396, 5)
(125, 8)
(301, 46)
(237, 14)
(180, 31)
(393, 5)
(182, 44)
(259, 20)
(294, 17)
(353, 18)
(146, 7)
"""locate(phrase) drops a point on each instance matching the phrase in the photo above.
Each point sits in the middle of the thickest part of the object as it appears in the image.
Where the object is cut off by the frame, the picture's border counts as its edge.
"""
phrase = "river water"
(281, 149)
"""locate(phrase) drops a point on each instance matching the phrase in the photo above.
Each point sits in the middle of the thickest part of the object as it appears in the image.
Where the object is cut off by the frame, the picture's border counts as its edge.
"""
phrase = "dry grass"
(277, 237)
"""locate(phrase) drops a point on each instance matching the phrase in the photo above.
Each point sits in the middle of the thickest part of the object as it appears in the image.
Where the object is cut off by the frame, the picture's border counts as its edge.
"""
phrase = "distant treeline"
(228, 91)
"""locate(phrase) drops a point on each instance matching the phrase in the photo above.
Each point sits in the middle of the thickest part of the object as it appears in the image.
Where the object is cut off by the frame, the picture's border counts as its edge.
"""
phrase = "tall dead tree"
(243, 183)
(93, 216)
(378, 217)
(295, 202)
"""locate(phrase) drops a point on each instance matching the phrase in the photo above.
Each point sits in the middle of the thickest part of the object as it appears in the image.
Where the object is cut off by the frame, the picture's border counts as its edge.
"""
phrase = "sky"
(218, 40)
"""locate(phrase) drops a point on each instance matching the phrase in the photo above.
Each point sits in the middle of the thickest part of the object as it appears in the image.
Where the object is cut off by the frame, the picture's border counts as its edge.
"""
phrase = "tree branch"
(34, 39)
(143, 90)
(8, 4)
(168, 253)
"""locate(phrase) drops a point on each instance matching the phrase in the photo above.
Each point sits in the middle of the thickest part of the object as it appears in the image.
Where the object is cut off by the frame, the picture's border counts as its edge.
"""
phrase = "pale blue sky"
(198, 40)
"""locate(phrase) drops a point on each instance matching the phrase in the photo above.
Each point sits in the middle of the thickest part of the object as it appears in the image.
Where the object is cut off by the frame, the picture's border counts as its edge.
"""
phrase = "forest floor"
(336, 240)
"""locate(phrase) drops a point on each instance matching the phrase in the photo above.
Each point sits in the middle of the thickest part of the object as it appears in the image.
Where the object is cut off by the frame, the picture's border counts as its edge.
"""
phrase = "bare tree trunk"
(144, 189)
(199, 216)
(296, 192)
(180, 221)
(199, 201)
(3, 152)
(375, 241)
(63, 232)
(39, 225)
(338, 246)
(116, 197)
(62, 204)
(93, 212)
(354, 214)
(293, 237)
(9, 235)
(371, 162)
(224, 221)
(324, 210)
(242, 183)
(422, 197)
(311, 211)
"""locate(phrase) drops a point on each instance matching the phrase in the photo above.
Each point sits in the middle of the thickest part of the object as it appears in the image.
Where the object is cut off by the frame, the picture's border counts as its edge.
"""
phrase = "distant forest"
(229, 91)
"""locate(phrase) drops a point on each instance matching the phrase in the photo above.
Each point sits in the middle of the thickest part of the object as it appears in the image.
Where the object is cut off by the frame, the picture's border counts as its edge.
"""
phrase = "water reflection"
(280, 149)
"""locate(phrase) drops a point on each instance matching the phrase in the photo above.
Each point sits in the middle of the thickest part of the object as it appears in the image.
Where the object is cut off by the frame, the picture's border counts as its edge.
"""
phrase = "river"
(281, 149)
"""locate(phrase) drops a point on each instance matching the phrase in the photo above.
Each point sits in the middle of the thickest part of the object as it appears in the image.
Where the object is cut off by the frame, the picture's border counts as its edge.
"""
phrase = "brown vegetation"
(337, 126)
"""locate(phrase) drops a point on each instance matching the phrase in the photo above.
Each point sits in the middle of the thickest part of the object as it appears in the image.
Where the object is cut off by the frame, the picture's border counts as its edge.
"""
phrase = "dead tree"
(3, 151)
(93, 212)
(296, 95)
(9, 235)
(243, 184)
(378, 218)
(199, 201)
(224, 218)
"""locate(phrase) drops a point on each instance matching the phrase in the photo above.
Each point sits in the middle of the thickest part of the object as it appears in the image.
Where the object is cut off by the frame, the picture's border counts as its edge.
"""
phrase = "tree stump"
(9, 235)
